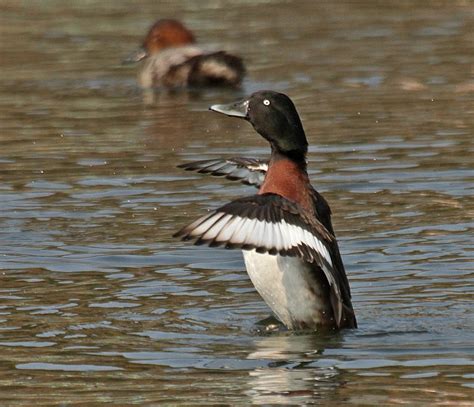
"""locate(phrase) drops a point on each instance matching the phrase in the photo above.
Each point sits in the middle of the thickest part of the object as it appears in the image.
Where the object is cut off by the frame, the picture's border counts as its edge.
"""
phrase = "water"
(99, 304)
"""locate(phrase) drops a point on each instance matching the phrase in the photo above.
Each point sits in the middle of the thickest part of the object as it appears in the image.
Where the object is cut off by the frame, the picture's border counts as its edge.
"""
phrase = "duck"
(284, 231)
(171, 59)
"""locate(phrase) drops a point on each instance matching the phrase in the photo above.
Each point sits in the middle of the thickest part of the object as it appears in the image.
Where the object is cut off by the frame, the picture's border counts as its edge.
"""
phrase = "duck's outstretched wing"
(271, 224)
(249, 171)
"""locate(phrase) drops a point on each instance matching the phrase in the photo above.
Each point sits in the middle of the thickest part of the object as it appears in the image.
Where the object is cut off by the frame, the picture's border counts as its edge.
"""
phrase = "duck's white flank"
(289, 288)
(157, 65)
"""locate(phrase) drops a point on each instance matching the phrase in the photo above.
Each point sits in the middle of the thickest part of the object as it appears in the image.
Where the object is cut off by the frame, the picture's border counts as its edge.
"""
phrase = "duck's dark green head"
(274, 116)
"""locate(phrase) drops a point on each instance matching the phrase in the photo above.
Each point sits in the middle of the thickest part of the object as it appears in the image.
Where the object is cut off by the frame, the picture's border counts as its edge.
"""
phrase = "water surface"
(100, 305)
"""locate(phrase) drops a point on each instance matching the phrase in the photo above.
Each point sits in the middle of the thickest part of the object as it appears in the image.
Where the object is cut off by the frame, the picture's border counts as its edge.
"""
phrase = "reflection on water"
(99, 304)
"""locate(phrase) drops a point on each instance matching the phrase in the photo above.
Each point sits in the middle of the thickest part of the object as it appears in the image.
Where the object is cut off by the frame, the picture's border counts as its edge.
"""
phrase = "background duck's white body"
(157, 65)
(289, 287)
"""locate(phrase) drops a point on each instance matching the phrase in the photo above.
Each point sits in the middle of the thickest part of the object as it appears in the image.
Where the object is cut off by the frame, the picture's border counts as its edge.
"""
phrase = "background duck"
(285, 231)
(172, 59)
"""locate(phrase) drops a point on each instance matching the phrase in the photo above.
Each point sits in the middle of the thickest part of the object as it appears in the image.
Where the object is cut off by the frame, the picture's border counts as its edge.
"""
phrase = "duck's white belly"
(288, 287)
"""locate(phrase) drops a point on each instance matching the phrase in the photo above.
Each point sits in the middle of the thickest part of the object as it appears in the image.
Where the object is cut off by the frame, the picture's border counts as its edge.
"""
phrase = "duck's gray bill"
(135, 56)
(239, 109)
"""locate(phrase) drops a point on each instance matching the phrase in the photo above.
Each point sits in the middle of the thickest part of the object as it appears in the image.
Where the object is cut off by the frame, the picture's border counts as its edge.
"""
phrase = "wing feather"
(269, 223)
(249, 171)
(212, 231)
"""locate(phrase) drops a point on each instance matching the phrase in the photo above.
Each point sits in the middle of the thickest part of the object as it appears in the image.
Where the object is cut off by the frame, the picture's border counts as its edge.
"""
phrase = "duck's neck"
(297, 158)
(287, 176)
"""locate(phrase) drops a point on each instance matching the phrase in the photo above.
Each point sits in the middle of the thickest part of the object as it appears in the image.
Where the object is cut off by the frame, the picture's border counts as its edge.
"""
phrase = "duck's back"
(215, 69)
(189, 66)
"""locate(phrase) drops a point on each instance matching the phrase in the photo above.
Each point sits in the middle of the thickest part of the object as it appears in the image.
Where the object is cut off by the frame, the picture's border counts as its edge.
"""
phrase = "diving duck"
(284, 231)
(172, 59)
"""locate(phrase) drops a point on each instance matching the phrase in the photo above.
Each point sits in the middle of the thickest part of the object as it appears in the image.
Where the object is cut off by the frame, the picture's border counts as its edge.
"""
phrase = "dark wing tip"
(191, 166)
(179, 233)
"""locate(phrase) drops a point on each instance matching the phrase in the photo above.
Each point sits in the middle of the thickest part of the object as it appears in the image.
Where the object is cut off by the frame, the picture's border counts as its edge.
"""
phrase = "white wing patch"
(222, 228)
(261, 166)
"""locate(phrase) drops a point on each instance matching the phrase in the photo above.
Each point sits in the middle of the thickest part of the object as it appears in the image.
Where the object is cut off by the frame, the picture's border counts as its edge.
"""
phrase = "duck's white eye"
(266, 102)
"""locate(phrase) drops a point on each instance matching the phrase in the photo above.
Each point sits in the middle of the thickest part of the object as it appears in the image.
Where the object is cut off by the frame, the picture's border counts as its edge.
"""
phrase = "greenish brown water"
(99, 305)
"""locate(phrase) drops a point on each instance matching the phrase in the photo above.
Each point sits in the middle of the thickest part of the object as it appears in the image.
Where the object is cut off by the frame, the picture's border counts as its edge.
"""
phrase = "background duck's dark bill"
(135, 56)
(238, 109)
